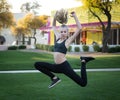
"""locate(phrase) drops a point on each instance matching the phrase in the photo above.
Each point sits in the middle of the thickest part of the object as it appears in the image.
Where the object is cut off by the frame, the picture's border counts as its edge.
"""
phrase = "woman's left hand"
(72, 14)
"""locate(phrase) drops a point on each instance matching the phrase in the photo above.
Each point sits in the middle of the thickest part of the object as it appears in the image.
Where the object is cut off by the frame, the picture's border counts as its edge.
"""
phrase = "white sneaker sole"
(54, 84)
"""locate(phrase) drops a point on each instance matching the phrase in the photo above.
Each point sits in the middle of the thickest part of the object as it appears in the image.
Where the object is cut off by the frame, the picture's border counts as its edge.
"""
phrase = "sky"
(47, 5)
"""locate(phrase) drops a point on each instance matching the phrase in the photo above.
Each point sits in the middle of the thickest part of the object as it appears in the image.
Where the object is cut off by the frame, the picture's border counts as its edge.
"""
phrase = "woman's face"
(64, 32)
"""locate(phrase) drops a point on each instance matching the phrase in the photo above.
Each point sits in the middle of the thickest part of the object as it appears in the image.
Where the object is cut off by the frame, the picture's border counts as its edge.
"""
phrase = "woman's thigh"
(68, 71)
(50, 67)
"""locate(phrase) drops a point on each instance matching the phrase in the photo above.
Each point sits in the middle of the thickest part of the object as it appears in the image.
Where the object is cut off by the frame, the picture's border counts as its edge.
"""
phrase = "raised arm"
(54, 27)
(78, 30)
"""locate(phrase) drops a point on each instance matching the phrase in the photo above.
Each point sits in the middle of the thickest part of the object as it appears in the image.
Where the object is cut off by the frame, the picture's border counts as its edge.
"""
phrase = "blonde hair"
(64, 26)
(62, 16)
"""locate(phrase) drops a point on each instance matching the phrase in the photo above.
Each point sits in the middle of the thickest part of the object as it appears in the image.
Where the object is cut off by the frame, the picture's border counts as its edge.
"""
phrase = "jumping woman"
(61, 64)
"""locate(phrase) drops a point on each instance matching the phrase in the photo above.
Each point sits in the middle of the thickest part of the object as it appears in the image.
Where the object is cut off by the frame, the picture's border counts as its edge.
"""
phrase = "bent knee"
(36, 64)
(83, 84)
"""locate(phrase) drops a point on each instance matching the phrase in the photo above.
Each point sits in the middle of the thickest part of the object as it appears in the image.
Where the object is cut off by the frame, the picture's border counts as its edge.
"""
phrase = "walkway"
(76, 70)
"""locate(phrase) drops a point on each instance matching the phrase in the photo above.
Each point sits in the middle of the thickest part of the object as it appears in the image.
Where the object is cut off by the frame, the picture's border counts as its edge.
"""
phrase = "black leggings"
(64, 68)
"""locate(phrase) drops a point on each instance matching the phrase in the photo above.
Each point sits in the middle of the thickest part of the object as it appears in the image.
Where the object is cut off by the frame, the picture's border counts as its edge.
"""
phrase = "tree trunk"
(105, 41)
(29, 40)
(23, 39)
(106, 33)
(34, 36)
(106, 37)
(35, 40)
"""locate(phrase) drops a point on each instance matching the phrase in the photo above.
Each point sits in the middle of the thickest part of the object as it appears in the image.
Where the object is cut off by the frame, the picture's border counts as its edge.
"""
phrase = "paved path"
(77, 70)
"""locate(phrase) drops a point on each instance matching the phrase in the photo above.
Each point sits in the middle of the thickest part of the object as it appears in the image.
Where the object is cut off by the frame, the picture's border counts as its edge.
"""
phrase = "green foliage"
(96, 3)
(45, 47)
(97, 48)
(114, 49)
(12, 47)
(85, 48)
(22, 47)
(4, 6)
(117, 48)
(6, 17)
(111, 50)
(39, 46)
(70, 49)
(77, 49)
(16, 47)
(51, 48)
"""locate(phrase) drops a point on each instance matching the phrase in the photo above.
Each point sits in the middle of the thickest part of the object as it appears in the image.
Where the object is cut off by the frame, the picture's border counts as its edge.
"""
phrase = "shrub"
(96, 48)
(77, 49)
(46, 47)
(117, 48)
(41, 46)
(51, 48)
(111, 50)
(70, 48)
(22, 47)
(85, 48)
(37, 46)
(12, 47)
(114, 49)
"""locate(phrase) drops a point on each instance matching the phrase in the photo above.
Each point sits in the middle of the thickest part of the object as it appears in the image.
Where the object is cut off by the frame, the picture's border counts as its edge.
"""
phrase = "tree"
(20, 31)
(30, 7)
(6, 17)
(4, 6)
(35, 22)
(97, 7)
(6, 20)
(27, 24)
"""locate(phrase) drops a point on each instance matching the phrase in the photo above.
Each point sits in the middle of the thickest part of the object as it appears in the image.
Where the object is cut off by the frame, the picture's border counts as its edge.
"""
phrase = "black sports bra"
(60, 47)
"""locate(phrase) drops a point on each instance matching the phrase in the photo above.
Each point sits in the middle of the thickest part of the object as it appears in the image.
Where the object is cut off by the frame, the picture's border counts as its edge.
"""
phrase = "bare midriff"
(59, 57)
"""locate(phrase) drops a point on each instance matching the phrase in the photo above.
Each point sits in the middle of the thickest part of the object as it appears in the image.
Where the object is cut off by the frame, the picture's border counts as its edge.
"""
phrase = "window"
(114, 37)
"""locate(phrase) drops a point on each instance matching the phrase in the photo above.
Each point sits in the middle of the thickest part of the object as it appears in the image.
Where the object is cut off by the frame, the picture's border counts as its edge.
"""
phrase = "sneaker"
(87, 59)
(54, 82)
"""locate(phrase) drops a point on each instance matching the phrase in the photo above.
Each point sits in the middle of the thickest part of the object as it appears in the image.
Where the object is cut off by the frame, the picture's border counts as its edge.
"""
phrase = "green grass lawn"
(34, 86)
(17, 60)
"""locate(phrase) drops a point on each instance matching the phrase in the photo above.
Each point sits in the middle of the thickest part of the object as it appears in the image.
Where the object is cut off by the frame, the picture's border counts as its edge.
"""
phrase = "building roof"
(84, 25)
